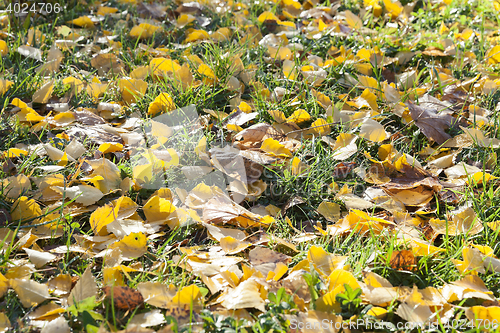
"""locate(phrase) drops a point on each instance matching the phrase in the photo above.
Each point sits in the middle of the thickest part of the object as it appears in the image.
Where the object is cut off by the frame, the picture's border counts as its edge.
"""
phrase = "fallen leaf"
(58, 325)
(30, 293)
(124, 298)
(403, 260)
(432, 124)
(85, 287)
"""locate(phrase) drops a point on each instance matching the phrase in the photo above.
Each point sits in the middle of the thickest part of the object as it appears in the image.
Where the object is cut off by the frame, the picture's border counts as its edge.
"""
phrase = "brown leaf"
(193, 8)
(253, 136)
(432, 124)
(106, 62)
(403, 260)
(125, 298)
(342, 169)
(88, 118)
(93, 133)
(263, 255)
(151, 11)
(219, 210)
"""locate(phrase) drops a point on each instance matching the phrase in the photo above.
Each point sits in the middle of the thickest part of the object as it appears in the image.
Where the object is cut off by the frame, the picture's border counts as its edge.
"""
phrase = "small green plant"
(214, 323)
(350, 301)
(84, 312)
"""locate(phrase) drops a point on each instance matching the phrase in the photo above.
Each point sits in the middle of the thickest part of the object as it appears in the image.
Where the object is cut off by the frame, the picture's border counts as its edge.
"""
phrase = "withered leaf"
(106, 62)
(88, 118)
(93, 133)
(432, 124)
(403, 260)
(125, 298)
(152, 10)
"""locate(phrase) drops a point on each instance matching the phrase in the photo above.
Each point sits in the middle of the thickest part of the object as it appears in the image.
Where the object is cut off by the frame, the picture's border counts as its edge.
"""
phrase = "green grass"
(368, 251)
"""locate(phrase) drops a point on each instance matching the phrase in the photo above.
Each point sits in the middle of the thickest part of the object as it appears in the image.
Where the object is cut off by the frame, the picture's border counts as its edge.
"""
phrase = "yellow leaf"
(421, 248)
(158, 209)
(132, 90)
(110, 147)
(4, 50)
(222, 34)
(320, 128)
(464, 221)
(162, 103)
(82, 21)
(110, 173)
(30, 293)
(493, 55)
(325, 263)
(278, 116)
(20, 104)
(443, 29)
(234, 128)
(370, 83)
(299, 116)
(4, 285)
(5, 324)
(243, 106)
(15, 152)
(480, 177)
(143, 173)
(328, 303)
(143, 30)
(133, 245)
(339, 277)
(483, 316)
(184, 20)
(112, 276)
(268, 16)
(14, 186)
(298, 167)
(393, 8)
(289, 69)
(232, 245)
(63, 119)
(278, 272)
(324, 101)
(157, 294)
(495, 225)
(95, 90)
(64, 160)
(196, 35)
(164, 66)
(103, 216)
(368, 99)
(280, 53)
(207, 71)
(330, 210)
(373, 131)
(24, 209)
(189, 295)
(103, 10)
(76, 84)
(275, 148)
(353, 20)
(43, 94)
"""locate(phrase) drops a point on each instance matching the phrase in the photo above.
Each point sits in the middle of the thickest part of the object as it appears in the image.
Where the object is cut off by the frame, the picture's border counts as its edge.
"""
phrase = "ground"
(249, 166)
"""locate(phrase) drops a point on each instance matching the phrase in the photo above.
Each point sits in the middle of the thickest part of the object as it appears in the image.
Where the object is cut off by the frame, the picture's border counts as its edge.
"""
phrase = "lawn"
(253, 166)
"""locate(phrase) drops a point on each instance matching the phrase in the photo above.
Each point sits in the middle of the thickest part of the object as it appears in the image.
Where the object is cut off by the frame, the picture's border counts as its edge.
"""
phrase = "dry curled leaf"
(124, 298)
(403, 260)
(432, 124)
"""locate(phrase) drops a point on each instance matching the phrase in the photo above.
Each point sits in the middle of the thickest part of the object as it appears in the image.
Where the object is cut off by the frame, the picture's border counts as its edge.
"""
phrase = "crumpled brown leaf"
(432, 124)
